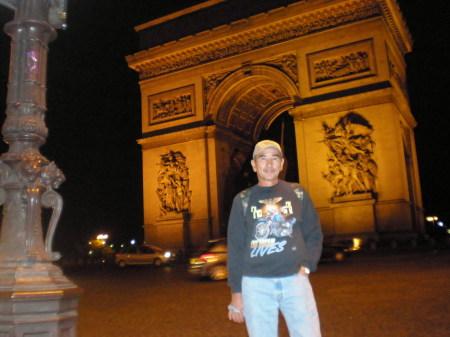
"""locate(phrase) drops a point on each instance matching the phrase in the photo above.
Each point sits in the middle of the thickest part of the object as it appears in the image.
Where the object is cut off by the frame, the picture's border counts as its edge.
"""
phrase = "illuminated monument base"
(210, 90)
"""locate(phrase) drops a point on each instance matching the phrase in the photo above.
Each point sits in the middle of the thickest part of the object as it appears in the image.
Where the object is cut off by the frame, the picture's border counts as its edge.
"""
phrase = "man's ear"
(253, 165)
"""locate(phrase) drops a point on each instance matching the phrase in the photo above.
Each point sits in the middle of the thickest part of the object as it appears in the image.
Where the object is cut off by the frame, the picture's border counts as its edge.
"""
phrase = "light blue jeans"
(263, 298)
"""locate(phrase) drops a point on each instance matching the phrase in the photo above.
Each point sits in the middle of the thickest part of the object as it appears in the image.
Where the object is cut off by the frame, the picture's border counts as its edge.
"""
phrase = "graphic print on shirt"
(273, 221)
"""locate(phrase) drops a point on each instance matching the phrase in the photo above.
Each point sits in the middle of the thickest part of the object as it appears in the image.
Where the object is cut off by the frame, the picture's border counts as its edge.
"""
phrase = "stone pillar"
(35, 297)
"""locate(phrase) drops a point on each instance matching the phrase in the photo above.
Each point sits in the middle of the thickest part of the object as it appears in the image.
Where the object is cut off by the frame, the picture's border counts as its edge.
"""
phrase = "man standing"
(274, 242)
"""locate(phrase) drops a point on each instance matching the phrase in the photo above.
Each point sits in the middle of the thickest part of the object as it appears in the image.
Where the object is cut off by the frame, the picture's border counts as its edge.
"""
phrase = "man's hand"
(236, 308)
(304, 271)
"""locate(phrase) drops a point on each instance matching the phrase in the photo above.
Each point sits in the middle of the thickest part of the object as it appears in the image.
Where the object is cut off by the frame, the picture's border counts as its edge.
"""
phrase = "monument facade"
(215, 76)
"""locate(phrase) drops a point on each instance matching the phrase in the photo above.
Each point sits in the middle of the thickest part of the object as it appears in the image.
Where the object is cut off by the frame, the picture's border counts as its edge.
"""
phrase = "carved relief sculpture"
(351, 168)
(173, 184)
(343, 63)
(341, 66)
(171, 105)
(210, 83)
(287, 64)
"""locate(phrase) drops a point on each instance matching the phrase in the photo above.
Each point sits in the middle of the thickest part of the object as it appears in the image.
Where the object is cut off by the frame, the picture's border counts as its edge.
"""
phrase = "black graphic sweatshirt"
(279, 233)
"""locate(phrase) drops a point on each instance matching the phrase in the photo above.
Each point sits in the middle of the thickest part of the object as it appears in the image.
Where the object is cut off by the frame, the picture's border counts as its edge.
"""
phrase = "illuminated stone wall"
(337, 67)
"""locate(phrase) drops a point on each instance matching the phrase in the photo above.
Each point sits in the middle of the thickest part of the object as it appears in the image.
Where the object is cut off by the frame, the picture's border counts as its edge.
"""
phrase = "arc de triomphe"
(216, 75)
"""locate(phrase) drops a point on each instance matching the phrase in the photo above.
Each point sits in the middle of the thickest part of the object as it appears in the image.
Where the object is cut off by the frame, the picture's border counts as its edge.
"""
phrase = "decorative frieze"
(169, 105)
(253, 39)
(341, 64)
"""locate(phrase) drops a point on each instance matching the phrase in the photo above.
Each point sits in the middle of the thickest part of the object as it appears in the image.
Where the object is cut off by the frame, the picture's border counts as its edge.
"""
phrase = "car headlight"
(167, 254)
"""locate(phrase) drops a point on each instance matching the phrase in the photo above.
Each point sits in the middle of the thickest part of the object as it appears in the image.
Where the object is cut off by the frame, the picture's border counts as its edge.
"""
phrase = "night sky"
(94, 117)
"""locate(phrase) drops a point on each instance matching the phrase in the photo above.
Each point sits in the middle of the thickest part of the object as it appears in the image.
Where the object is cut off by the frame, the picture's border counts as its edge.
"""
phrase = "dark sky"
(94, 110)
(93, 115)
(428, 75)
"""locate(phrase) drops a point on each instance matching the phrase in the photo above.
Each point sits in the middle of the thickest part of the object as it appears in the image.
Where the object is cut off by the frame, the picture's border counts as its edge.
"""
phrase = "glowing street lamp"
(432, 219)
(102, 238)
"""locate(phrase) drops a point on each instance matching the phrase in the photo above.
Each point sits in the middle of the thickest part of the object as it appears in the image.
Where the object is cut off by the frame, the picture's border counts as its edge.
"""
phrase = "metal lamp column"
(36, 299)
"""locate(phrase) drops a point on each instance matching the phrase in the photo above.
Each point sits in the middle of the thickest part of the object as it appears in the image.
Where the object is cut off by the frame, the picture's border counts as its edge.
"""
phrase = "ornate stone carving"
(173, 184)
(36, 170)
(342, 66)
(171, 105)
(402, 37)
(396, 74)
(254, 39)
(351, 168)
(22, 120)
(287, 64)
(39, 177)
(211, 82)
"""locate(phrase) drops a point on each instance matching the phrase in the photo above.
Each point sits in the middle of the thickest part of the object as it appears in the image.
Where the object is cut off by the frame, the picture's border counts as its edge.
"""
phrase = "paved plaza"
(395, 294)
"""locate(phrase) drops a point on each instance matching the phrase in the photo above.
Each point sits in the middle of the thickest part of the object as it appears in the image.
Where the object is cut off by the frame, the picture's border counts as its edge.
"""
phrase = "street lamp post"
(36, 299)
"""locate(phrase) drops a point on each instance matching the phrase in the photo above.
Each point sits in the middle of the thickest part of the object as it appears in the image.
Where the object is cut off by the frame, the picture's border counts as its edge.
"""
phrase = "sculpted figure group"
(351, 168)
(173, 184)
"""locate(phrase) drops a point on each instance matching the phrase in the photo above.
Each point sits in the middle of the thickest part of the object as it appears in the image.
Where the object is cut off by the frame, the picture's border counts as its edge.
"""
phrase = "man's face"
(267, 166)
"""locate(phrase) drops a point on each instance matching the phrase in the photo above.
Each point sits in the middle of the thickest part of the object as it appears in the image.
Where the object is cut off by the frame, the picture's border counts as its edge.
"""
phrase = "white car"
(141, 255)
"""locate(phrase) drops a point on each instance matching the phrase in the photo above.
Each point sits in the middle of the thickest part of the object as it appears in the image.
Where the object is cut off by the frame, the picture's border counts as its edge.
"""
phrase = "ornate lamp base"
(37, 300)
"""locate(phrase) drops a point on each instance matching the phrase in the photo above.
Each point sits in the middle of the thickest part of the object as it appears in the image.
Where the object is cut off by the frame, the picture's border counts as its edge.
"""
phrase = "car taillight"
(208, 257)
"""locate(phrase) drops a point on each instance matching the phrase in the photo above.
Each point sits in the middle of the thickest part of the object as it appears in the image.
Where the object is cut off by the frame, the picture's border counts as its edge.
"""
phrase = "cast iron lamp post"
(35, 297)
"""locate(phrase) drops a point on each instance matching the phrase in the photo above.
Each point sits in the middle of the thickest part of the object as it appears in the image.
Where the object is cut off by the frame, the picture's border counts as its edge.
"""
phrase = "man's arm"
(236, 239)
(236, 243)
(312, 233)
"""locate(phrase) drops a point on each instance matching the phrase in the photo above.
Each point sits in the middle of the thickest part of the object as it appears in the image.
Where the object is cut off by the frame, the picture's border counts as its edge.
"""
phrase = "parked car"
(141, 255)
(212, 262)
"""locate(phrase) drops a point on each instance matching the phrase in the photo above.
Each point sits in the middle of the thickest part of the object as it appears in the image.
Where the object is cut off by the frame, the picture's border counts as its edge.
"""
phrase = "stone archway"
(248, 99)
(209, 95)
(245, 102)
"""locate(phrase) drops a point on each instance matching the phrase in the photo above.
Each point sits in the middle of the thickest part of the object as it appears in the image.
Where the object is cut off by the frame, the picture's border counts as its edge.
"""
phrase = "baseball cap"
(264, 144)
